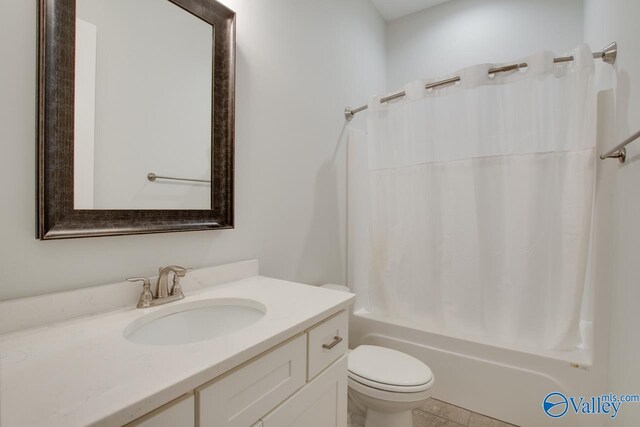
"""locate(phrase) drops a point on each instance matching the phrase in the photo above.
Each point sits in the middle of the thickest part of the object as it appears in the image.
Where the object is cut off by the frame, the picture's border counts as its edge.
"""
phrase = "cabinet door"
(241, 397)
(179, 413)
(321, 403)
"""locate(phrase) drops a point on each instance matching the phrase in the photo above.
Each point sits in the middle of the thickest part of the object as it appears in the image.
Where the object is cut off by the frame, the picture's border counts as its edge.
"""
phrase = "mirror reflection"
(143, 100)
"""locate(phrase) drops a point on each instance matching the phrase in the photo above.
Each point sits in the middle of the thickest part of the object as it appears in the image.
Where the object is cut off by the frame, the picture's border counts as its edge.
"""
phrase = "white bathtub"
(500, 382)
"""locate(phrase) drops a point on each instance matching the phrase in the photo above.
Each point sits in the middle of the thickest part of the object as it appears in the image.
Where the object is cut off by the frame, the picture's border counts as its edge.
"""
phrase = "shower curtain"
(481, 201)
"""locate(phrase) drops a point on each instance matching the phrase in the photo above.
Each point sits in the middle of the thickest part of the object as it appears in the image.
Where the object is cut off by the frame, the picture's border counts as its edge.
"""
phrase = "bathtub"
(500, 382)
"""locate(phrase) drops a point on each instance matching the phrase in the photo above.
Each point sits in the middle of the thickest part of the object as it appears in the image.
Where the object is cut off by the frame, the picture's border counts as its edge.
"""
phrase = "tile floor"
(435, 413)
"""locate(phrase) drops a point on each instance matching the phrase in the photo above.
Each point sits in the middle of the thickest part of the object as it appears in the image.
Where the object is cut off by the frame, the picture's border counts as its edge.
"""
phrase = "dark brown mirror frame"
(56, 217)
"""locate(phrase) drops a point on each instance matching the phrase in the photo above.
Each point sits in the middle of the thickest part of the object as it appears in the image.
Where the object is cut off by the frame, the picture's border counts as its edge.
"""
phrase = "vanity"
(272, 353)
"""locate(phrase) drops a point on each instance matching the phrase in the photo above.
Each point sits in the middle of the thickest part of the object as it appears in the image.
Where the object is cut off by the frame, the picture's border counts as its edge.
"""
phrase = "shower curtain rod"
(608, 55)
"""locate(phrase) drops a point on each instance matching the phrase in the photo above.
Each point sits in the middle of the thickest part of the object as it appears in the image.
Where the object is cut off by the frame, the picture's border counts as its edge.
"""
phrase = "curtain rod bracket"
(348, 114)
(619, 152)
(608, 54)
(621, 155)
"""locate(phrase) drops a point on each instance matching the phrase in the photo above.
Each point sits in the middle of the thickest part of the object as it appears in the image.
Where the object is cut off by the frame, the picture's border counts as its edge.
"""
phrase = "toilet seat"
(389, 396)
(390, 387)
(388, 370)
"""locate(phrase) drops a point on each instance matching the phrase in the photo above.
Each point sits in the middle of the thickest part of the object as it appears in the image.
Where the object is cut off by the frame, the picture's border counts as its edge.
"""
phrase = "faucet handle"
(146, 297)
(179, 272)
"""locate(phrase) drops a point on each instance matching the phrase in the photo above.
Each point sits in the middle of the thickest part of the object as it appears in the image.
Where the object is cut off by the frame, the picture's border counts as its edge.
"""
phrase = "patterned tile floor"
(435, 413)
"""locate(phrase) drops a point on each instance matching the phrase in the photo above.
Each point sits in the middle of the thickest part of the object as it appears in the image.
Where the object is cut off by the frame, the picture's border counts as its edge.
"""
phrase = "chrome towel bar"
(619, 152)
(152, 177)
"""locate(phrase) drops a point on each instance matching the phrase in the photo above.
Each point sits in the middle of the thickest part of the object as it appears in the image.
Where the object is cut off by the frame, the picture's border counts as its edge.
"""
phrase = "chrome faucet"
(163, 294)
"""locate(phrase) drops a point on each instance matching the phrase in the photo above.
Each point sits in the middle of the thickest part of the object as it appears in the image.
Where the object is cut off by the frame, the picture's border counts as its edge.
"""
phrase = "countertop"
(84, 372)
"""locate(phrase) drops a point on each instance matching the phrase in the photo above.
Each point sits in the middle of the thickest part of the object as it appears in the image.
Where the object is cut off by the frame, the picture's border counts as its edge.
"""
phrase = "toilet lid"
(385, 366)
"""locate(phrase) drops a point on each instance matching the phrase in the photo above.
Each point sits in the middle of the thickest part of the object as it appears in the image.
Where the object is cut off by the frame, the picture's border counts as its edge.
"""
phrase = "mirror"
(143, 81)
(136, 117)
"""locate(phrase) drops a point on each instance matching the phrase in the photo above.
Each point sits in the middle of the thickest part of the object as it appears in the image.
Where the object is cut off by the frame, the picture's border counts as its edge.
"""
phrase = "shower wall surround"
(289, 214)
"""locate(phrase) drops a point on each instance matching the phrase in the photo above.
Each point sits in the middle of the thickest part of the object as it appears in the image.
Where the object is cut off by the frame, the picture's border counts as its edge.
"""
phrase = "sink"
(195, 321)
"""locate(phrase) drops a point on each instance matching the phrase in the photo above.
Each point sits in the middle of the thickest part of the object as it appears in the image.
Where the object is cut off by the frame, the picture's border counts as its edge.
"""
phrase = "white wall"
(299, 63)
(606, 21)
(460, 33)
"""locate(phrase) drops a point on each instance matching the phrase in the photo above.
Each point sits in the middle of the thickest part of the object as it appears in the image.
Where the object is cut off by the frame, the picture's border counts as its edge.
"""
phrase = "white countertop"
(84, 372)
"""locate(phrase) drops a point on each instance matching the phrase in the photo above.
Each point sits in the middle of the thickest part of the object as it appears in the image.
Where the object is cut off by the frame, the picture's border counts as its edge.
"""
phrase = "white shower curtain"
(481, 201)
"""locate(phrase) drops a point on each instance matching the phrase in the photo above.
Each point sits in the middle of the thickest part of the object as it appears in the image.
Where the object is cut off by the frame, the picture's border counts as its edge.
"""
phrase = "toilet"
(385, 385)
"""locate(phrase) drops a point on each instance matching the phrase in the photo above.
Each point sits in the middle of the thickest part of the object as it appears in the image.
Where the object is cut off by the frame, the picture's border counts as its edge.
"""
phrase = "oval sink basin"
(194, 322)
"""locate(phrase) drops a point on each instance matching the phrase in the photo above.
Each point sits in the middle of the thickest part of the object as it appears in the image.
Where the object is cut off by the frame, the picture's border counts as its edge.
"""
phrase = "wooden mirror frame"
(56, 217)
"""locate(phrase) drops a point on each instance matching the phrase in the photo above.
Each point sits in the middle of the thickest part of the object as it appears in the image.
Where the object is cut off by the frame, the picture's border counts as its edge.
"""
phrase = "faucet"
(162, 287)
(163, 294)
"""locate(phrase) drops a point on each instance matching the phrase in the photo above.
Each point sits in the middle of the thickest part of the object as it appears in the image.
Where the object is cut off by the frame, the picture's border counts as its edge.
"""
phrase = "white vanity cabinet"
(284, 368)
(302, 382)
(299, 383)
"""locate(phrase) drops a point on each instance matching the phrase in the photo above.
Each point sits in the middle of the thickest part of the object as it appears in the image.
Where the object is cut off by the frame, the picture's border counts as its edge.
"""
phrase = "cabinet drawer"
(327, 342)
(240, 398)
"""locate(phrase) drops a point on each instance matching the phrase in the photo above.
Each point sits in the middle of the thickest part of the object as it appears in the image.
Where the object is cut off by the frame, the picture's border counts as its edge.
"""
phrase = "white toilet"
(386, 385)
